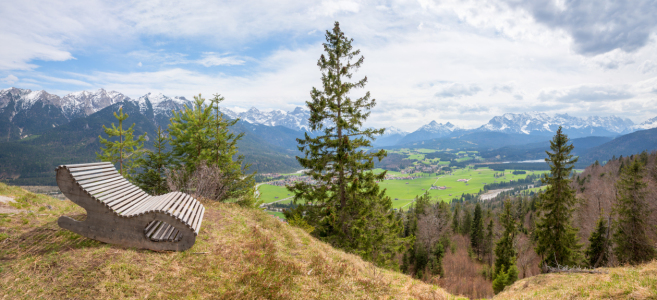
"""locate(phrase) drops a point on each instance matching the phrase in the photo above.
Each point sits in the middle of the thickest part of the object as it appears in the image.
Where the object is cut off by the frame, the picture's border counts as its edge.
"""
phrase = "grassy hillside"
(618, 283)
(240, 253)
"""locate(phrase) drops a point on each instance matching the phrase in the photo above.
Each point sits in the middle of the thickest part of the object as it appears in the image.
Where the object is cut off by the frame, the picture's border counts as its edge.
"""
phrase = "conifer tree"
(631, 229)
(556, 238)
(596, 253)
(489, 242)
(120, 147)
(154, 165)
(466, 224)
(477, 231)
(456, 218)
(504, 252)
(202, 135)
(506, 271)
(345, 203)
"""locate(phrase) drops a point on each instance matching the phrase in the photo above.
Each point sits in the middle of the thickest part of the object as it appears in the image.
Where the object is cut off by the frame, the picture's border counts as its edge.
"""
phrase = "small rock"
(49, 207)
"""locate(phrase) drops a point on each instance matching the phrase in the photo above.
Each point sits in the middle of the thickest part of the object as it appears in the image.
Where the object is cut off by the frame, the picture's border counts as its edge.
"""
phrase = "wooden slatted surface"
(102, 182)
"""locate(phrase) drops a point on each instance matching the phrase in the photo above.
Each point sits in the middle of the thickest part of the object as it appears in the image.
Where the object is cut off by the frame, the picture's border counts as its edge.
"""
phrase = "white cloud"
(439, 72)
(10, 79)
(207, 59)
(210, 59)
(457, 90)
(586, 93)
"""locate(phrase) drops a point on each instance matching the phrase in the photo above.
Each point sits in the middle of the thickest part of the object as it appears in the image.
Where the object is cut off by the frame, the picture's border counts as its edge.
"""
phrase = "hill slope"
(618, 283)
(240, 253)
(625, 145)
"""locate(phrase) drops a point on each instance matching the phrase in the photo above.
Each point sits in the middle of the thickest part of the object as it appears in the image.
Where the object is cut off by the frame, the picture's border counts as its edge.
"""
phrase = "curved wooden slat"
(170, 221)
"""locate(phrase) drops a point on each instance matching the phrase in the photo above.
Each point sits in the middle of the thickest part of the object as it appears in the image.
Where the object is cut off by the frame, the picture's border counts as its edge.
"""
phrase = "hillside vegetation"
(239, 253)
(616, 283)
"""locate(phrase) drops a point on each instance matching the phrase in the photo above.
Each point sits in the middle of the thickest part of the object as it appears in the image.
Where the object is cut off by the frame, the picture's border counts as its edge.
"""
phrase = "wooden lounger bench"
(119, 212)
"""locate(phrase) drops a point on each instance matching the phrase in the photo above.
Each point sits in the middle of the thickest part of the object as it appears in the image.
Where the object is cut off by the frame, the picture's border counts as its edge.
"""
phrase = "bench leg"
(129, 235)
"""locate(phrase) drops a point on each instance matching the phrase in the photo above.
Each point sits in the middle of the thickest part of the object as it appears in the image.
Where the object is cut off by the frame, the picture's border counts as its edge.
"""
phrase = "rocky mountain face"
(159, 108)
(541, 124)
(391, 136)
(296, 119)
(25, 112)
(429, 131)
(649, 124)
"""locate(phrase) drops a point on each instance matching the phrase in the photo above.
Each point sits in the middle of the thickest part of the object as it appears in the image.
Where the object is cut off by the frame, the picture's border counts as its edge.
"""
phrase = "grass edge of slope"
(240, 253)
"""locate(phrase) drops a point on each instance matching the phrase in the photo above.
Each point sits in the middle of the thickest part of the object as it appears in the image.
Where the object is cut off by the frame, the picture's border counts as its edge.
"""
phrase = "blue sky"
(457, 61)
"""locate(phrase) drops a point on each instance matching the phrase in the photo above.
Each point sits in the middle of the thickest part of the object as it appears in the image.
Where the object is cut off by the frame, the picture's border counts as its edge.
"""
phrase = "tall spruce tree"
(477, 231)
(345, 203)
(489, 242)
(154, 165)
(596, 253)
(120, 147)
(466, 223)
(631, 229)
(506, 271)
(556, 238)
(202, 135)
(455, 219)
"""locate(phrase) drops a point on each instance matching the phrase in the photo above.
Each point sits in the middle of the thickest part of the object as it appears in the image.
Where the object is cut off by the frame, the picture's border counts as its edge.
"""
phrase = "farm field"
(405, 193)
(275, 213)
(402, 192)
(271, 193)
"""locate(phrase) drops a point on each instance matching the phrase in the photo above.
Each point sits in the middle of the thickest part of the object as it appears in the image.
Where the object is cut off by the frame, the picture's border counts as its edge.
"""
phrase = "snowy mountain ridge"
(541, 123)
(23, 107)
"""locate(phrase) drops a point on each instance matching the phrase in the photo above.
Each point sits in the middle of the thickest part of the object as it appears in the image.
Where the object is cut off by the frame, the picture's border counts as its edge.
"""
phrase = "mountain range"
(39, 130)
(24, 112)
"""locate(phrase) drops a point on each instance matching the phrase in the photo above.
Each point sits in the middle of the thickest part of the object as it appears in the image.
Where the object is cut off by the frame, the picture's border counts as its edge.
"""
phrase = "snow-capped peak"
(394, 130)
(435, 127)
(527, 123)
(649, 124)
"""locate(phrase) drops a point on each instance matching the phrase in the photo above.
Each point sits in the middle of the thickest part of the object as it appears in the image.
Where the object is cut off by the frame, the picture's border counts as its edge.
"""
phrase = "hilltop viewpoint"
(240, 253)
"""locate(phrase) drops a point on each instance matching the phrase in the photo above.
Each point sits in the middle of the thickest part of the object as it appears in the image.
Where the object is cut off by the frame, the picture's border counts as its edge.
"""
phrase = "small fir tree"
(120, 147)
(505, 272)
(631, 228)
(556, 238)
(466, 224)
(456, 218)
(596, 253)
(344, 203)
(504, 252)
(477, 231)
(489, 242)
(154, 165)
(202, 135)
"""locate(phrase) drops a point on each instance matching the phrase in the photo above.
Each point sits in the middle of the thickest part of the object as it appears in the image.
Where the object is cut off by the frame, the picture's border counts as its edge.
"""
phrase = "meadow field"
(403, 192)
(271, 193)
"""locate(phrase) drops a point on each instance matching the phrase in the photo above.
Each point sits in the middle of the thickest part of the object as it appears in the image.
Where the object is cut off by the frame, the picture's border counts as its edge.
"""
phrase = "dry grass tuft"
(242, 254)
(619, 283)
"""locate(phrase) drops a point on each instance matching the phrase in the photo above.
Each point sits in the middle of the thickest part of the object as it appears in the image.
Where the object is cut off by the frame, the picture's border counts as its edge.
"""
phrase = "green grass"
(268, 193)
(416, 156)
(478, 178)
(405, 193)
(425, 151)
(240, 253)
(278, 214)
